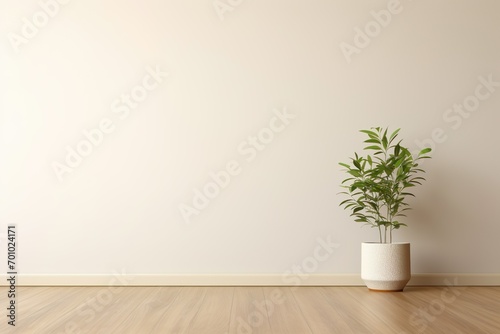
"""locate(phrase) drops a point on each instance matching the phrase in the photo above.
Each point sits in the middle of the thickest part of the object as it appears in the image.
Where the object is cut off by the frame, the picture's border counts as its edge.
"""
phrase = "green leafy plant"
(377, 186)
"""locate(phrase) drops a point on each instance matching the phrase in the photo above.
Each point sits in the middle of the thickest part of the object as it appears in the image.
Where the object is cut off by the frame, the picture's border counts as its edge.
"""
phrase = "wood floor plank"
(319, 314)
(182, 311)
(487, 298)
(99, 310)
(34, 310)
(361, 320)
(39, 298)
(457, 311)
(410, 312)
(285, 316)
(150, 309)
(223, 310)
(390, 318)
(215, 312)
(143, 311)
(249, 311)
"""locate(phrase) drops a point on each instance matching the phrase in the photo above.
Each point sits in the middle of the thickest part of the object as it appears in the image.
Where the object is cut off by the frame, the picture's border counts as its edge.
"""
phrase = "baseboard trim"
(122, 279)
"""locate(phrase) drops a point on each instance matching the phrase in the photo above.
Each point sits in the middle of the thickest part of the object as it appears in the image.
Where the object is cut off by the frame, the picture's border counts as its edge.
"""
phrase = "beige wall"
(234, 74)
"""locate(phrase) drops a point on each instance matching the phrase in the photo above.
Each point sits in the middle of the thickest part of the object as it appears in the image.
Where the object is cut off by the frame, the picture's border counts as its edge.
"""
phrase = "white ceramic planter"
(385, 267)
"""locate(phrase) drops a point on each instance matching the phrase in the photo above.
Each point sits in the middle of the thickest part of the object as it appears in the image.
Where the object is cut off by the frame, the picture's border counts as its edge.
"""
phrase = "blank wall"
(119, 207)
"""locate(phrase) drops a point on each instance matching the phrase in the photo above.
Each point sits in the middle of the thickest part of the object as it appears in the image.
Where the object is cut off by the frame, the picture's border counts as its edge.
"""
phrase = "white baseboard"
(116, 279)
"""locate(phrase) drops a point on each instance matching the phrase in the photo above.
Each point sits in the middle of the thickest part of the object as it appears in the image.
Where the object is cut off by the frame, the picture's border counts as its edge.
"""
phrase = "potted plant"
(377, 189)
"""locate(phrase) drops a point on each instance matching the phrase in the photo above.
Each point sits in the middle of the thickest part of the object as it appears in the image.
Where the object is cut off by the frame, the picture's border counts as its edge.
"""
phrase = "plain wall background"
(120, 207)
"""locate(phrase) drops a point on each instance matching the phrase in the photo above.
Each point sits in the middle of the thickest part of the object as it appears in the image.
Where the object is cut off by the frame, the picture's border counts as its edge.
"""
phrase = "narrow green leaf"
(372, 140)
(425, 151)
(356, 164)
(357, 209)
(399, 162)
(394, 135)
(384, 141)
(349, 179)
(397, 150)
(354, 173)
(369, 133)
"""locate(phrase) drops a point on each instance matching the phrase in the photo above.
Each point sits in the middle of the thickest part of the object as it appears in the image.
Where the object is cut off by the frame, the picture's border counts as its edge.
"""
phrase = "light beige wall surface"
(233, 66)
